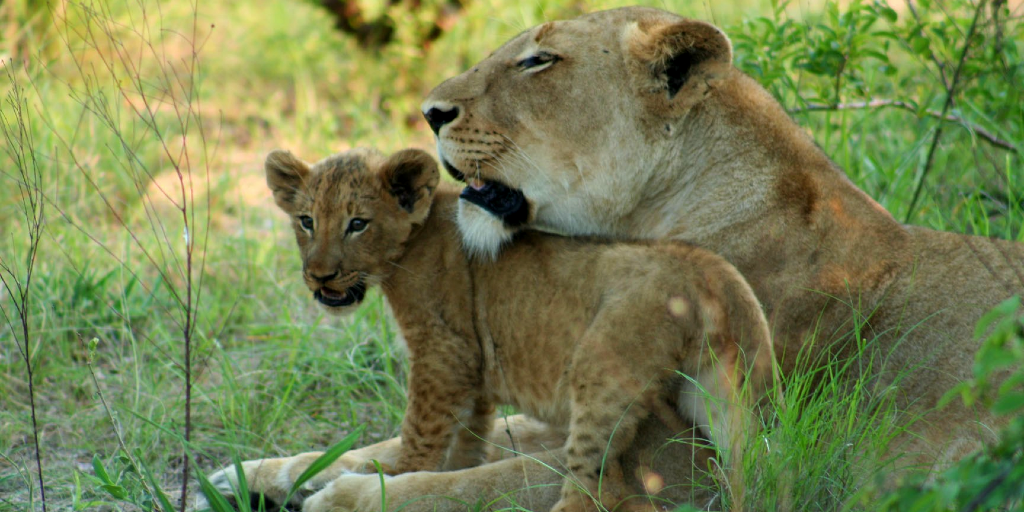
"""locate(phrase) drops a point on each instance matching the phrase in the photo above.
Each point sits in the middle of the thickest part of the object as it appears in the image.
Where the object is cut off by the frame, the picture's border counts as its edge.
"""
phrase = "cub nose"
(322, 277)
(438, 116)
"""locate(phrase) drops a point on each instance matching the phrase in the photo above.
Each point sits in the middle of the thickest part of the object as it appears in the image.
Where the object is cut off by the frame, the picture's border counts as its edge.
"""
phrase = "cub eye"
(306, 221)
(356, 225)
(537, 60)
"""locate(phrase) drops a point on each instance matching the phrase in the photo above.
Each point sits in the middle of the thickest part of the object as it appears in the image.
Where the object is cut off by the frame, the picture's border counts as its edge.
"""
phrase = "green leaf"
(115, 490)
(1008, 403)
(920, 45)
(1004, 310)
(991, 358)
(101, 472)
(325, 460)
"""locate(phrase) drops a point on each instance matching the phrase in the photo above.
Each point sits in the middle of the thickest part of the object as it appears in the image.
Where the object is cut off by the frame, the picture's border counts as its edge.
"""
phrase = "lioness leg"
(658, 471)
(526, 481)
(274, 477)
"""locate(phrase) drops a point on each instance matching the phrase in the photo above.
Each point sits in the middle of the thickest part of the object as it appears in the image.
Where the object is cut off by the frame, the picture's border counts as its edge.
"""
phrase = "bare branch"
(986, 135)
(950, 95)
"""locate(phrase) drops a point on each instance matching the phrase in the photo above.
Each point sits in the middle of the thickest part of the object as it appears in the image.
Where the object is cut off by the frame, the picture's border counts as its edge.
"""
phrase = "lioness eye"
(536, 60)
(357, 225)
(306, 222)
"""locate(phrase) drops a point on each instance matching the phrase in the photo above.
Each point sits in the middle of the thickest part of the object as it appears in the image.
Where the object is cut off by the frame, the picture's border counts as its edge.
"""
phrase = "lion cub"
(590, 336)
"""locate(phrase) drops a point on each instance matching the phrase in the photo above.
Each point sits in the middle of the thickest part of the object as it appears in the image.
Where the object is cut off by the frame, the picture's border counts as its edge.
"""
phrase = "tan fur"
(588, 337)
(643, 129)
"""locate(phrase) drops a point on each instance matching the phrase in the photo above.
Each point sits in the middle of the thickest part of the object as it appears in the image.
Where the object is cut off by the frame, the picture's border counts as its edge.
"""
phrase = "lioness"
(634, 123)
(553, 326)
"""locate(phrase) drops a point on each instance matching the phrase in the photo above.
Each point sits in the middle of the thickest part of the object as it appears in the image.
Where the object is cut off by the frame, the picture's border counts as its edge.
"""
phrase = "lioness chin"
(553, 327)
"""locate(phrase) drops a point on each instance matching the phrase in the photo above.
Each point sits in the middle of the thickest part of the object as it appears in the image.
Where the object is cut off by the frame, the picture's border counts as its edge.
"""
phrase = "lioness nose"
(438, 116)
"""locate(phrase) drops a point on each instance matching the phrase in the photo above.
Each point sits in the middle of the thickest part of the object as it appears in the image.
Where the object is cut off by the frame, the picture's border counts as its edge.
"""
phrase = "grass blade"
(158, 492)
(242, 492)
(217, 502)
(325, 460)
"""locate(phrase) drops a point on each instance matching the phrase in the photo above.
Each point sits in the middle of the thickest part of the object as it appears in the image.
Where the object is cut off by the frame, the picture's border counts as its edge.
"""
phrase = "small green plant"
(129, 482)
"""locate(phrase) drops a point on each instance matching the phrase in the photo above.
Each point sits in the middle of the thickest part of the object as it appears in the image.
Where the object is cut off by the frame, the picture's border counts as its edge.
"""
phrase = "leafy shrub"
(992, 479)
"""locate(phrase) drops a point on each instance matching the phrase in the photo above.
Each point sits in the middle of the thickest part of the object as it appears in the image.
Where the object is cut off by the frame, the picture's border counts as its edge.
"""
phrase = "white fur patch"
(483, 234)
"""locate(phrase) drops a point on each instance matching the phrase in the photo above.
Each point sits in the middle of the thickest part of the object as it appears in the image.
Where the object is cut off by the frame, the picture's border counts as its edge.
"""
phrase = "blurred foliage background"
(133, 209)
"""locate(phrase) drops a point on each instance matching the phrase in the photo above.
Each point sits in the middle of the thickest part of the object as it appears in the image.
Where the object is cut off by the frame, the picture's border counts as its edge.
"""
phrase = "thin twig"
(146, 102)
(988, 136)
(950, 94)
(21, 149)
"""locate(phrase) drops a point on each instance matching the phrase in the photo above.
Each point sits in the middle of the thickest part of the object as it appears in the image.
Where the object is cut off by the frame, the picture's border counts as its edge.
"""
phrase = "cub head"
(352, 213)
(564, 125)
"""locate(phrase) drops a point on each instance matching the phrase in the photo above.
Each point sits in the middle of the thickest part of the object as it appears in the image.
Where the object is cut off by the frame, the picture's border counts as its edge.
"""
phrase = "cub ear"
(285, 177)
(410, 176)
(675, 50)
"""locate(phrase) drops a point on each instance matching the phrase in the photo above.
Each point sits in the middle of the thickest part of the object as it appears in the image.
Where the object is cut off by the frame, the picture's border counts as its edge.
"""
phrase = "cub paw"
(225, 484)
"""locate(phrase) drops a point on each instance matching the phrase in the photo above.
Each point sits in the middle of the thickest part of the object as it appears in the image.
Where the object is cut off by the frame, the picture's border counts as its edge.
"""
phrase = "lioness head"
(352, 213)
(554, 128)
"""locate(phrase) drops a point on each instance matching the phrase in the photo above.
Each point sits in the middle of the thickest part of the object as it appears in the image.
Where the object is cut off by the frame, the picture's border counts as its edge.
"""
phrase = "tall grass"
(143, 125)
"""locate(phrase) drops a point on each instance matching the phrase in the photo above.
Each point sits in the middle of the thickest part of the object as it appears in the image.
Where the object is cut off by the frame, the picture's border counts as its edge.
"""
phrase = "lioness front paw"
(347, 493)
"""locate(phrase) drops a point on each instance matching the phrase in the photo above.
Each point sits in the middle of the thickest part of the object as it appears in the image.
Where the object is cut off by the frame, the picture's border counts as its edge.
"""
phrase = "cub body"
(589, 337)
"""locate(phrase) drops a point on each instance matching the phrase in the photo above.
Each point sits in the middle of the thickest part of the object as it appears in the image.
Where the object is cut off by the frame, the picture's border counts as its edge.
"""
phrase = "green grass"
(271, 373)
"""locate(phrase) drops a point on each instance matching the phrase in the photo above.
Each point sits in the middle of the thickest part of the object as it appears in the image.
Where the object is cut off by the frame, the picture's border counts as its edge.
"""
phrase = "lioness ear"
(285, 176)
(674, 51)
(410, 176)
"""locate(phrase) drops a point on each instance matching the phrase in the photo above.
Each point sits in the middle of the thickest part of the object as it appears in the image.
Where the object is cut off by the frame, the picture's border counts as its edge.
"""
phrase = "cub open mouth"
(335, 299)
(507, 203)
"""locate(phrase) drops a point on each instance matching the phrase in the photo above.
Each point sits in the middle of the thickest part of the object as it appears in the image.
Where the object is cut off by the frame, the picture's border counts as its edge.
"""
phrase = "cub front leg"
(470, 449)
(443, 394)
